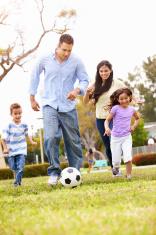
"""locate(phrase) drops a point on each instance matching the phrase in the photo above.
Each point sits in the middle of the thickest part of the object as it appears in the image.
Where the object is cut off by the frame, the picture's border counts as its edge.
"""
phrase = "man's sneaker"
(119, 174)
(53, 180)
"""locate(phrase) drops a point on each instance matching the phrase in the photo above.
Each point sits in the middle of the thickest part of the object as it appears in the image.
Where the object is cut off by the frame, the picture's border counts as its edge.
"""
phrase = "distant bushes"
(143, 159)
(33, 170)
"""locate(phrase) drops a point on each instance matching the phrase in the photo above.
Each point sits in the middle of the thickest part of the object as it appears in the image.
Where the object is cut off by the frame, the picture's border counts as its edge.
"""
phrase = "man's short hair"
(66, 38)
(14, 106)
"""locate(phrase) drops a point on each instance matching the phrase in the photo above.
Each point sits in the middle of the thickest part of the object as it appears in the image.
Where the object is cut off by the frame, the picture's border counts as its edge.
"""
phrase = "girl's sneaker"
(116, 172)
(129, 177)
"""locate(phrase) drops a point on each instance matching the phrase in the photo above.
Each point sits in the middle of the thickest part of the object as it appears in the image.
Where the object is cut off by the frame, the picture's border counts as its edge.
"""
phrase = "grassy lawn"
(101, 205)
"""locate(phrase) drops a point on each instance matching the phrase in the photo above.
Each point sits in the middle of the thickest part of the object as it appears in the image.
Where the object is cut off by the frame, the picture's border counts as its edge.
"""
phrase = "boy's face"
(17, 114)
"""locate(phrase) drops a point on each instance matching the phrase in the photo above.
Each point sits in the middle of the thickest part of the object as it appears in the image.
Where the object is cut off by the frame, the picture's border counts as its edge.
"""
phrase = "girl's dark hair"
(99, 89)
(115, 96)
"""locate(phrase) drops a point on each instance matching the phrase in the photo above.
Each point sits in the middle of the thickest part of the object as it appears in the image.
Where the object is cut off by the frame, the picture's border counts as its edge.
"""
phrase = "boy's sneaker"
(53, 179)
(16, 185)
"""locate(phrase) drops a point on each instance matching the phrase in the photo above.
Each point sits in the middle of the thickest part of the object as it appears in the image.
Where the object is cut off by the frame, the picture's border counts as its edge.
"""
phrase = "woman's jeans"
(57, 124)
(16, 164)
(106, 139)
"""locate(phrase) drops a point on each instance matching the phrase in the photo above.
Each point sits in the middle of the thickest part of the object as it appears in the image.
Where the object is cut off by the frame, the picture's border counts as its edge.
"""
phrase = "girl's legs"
(116, 154)
(128, 169)
(127, 154)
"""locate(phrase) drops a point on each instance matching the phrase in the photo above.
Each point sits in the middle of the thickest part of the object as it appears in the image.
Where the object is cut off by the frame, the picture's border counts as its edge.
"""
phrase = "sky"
(121, 31)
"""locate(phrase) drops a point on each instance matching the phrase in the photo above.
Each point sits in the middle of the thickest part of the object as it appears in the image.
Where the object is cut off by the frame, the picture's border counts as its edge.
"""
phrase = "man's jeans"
(16, 164)
(106, 139)
(57, 124)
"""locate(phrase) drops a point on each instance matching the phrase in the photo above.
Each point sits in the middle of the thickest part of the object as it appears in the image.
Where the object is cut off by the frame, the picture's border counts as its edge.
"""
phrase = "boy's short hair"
(14, 106)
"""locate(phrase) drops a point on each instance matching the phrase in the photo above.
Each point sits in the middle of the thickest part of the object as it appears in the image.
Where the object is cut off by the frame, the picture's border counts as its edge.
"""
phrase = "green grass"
(101, 205)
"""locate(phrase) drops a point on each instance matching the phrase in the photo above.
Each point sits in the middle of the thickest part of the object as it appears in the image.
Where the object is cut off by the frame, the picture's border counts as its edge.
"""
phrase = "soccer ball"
(70, 177)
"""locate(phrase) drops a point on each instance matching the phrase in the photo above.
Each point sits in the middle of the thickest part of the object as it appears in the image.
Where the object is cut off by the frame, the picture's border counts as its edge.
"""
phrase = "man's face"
(64, 50)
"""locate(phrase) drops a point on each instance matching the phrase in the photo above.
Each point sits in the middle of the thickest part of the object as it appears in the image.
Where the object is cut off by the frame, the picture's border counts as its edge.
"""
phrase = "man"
(61, 70)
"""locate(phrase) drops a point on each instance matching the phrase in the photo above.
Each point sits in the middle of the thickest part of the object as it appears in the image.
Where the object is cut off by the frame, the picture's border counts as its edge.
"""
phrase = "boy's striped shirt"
(15, 138)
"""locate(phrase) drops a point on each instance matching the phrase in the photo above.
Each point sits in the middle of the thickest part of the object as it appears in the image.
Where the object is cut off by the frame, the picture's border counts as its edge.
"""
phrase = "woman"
(99, 93)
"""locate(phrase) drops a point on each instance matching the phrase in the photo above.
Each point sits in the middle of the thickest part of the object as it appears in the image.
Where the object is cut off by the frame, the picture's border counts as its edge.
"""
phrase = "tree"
(19, 52)
(143, 81)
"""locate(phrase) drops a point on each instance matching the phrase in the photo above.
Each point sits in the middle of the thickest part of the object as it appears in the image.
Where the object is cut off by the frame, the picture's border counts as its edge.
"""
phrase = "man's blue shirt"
(59, 80)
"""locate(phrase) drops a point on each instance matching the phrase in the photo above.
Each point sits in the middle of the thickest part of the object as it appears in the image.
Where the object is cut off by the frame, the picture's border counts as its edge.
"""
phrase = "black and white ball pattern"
(70, 177)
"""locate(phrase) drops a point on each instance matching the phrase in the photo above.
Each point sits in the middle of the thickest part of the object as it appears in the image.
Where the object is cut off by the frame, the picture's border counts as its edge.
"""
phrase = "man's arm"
(34, 82)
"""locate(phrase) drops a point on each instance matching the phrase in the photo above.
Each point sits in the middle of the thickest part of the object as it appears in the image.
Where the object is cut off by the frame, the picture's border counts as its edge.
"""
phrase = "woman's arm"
(88, 94)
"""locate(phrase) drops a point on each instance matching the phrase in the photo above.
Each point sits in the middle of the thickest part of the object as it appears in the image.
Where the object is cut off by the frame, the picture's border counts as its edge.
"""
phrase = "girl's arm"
(136, 122)
(107, 121)
(89, 92)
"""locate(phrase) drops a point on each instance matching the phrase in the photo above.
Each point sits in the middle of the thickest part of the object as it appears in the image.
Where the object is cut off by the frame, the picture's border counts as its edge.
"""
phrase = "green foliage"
(143, 159)
(6, 174)
(33, 170)
(140, 135)
(144, 81)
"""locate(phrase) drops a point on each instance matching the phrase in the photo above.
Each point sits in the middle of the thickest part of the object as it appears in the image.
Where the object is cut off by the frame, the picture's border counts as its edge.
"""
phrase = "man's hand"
(35, 106)
(73, 94)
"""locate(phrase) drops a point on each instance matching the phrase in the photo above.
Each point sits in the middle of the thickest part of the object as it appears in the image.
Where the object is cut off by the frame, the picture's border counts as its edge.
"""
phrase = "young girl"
(121, 139)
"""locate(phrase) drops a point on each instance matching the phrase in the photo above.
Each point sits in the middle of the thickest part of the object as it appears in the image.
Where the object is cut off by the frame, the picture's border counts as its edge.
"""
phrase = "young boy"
(14, 143)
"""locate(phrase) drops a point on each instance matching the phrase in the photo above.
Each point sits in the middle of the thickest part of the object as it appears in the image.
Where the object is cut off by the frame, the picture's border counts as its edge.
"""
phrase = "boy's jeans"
(57, 124)
(16, 163)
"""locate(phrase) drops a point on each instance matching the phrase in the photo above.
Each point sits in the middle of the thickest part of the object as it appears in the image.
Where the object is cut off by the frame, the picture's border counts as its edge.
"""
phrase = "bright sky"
(121, 31)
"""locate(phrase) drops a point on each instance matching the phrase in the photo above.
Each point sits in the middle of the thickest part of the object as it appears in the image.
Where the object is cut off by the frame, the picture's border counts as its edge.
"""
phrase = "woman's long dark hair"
(99, 89)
